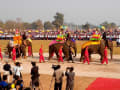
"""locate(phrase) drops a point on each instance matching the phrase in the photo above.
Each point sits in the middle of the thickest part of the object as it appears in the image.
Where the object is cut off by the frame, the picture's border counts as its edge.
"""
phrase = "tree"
(86, 26)
(37, 25)
(26, 25)
(48, 25)
(59, 20)
(1, 24)
(10, 24)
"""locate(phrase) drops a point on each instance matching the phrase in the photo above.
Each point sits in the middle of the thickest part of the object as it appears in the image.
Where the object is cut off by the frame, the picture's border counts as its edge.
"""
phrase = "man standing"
(58, 75)
(7, 70)
(105, 56)
(35, 76)
(14, 54)
(60, 54)
(41, 55)
(86, 55)
(70, 78)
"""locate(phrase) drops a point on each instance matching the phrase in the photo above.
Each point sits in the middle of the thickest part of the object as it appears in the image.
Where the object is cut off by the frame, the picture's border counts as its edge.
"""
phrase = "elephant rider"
(104, 37)
(24, 37)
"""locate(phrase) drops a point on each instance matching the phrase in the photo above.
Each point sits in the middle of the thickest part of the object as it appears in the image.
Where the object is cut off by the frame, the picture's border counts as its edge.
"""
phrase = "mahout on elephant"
(54, 48)
(20, 49)
(97, 48)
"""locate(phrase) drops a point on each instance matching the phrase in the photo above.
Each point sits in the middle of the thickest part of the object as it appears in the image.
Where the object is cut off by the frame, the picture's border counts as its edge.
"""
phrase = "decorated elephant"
(21, 49)
(54, 48)
(97, 47)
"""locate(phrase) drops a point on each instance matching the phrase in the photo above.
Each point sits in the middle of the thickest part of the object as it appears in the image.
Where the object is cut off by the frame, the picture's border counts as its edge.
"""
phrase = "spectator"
(70, 78)
(7, 70)
(3, 84)
(17, 70)
(35, 76)
(58, 75)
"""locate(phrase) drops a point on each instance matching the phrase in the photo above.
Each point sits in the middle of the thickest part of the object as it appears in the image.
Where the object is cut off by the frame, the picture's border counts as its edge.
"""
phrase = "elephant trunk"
(75, 50)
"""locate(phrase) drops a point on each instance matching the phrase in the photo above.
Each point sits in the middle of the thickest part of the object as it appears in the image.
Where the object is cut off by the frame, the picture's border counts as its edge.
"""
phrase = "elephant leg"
(102, 57)
(82, 56)
(51, 53)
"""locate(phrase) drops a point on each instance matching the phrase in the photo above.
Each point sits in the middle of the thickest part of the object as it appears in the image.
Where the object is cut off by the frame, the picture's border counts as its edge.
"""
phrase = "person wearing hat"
(17, 70)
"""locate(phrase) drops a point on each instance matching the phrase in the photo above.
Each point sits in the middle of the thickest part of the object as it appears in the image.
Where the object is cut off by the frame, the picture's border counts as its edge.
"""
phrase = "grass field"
(45, 43)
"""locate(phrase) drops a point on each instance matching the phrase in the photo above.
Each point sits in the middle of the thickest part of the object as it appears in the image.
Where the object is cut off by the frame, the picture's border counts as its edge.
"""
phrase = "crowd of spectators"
(17, 82)
(52, 34)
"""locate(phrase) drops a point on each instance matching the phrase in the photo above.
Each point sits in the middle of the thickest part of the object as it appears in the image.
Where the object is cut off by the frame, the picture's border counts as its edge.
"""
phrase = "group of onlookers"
(17, 82)
(76, 34)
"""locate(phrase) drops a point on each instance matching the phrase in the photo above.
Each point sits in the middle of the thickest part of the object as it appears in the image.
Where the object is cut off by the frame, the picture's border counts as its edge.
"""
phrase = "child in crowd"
(105, 56)
(86, 55)
(60, 54)
(41, 54)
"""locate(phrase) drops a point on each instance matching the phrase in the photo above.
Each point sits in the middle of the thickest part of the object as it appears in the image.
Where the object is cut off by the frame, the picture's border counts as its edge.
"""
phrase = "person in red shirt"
(86, 56)
(1, 54)
(41, 55)
(60, 54)
(105, 59)
(14, 54)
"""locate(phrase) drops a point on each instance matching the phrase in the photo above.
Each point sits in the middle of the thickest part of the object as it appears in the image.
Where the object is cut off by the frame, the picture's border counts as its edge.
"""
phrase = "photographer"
(58, 75)
(70, 78)
(7, 70)
(35, 76)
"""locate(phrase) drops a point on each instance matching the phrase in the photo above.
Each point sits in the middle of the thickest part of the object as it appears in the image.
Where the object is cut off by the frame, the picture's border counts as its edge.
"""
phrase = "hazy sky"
(76, 11)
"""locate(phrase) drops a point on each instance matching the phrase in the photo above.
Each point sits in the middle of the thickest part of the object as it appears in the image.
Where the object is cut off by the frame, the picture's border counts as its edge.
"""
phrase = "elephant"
(21, 48)
(98, 49)
(54, 48)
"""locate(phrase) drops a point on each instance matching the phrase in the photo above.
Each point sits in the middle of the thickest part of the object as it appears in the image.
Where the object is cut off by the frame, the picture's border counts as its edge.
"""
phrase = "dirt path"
(95, 69)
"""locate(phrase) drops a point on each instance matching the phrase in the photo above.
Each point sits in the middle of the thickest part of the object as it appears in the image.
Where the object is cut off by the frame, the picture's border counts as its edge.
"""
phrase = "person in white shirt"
(17, 70)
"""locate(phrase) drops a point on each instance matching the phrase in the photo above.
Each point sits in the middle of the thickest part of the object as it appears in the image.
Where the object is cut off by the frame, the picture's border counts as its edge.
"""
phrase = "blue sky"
(76, 11)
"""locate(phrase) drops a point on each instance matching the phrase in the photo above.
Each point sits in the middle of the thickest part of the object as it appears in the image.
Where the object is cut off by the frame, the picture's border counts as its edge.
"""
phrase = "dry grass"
(45, 43)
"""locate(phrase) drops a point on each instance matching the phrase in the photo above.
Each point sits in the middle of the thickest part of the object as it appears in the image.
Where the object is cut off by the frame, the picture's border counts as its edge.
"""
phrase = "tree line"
(55, 24)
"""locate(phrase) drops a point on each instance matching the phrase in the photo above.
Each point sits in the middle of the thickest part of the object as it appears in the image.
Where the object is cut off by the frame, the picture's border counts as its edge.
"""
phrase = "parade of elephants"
(96, 45)
(59, 45)
(62, 53)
